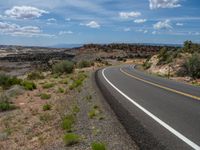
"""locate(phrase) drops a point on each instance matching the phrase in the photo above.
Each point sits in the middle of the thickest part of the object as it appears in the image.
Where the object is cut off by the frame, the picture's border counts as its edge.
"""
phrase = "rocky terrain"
(49, 100)
(181, 64)
(17, 60)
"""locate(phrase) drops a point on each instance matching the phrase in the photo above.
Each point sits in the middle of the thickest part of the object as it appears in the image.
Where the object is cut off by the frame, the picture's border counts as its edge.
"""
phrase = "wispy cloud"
(92, 24)
(24, 12)
(127, 29)
(154, 4)
(162, 25)
(68, 19)
(179, 24)
(65, 32)
(127, 15)
(140, 20)
(142, 30)
(51, 20)
(16, 30)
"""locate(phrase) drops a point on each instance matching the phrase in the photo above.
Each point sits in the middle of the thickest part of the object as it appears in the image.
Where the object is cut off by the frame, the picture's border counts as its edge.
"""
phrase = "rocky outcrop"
(43, 57)
(171, 68)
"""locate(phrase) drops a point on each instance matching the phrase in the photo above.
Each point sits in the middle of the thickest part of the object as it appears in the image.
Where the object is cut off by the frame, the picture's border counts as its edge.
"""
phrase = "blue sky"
(51, 22)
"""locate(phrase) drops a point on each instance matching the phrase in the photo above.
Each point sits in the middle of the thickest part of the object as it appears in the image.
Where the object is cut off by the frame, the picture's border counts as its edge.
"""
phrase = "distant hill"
(66, 45)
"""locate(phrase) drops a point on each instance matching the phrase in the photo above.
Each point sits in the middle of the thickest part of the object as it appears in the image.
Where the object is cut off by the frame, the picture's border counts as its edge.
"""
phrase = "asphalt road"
(158, 113)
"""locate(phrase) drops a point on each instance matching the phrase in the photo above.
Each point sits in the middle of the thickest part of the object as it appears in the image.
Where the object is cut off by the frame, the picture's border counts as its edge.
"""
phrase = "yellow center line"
(160, 86)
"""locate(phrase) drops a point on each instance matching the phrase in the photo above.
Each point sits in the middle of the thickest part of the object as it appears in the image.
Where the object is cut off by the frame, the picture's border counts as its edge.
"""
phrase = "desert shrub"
(63, 67)
(61, 90)
(48, 85)
(46, 107)
(88, 97)
(5, 105)
(191, 47)
(75, 84)
(94, 112)
(191, 67)
(64, 81)
(68, 122)
(166, 55)
(29, 85)
(71, 139)
(84, 64)
(98, 146)
(46, 117)
(75, 109)
(78, 81)
(7, 81)
(15, 91)
(35, 75)
(146, 65)
(120, 59)
(45, 96)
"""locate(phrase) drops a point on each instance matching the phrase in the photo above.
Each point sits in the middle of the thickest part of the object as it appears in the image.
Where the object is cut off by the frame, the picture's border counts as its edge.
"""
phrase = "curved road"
(158, 113)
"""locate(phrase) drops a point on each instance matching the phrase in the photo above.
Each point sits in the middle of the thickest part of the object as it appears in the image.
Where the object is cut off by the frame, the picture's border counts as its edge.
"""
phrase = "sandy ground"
(31, 128)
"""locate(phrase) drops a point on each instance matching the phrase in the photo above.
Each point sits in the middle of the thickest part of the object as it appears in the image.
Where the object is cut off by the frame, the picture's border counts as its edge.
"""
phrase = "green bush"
(48, 85)
(47, 107)
(78, 81)
(94, 112)
(166, 55)
(5, 105)
(29, 85)
(35, 75)
(98, 146)
(71, 139)
(191, 66)
(84, 64)
(61, 90)
(75, 109)
(191, 47)
(63, 67)
(45, 96)
(68, 122)
(147, 65)
(7, 81)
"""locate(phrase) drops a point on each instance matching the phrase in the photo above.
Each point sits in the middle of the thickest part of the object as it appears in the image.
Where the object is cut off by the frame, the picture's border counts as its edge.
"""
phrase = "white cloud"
(67, 19)
(179, 24)
(92, 24)
(197, 33)
(16, 30)
(140, 20)
(127, 29)
(51, 20)
(24, 12)
(162, 25)
(65, 32)
(154, 4)
(127, 15)
(142, 30)
(145, 31)
(154, 32)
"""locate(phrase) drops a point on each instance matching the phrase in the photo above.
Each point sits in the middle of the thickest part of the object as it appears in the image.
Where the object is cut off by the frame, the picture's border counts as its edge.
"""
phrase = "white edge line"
(169, 128)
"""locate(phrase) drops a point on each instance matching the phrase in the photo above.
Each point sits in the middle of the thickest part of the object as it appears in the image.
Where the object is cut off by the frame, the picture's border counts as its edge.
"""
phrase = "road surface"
(158, 113)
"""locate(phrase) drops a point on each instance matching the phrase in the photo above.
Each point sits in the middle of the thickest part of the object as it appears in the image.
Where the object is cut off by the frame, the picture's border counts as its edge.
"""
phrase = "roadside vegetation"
(187, 57)
(48, 99)
(63, 67)
(98, 146)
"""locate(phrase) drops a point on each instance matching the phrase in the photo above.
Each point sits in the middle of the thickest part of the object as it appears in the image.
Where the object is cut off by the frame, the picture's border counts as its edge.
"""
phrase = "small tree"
(63, 67)
(192, 66)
